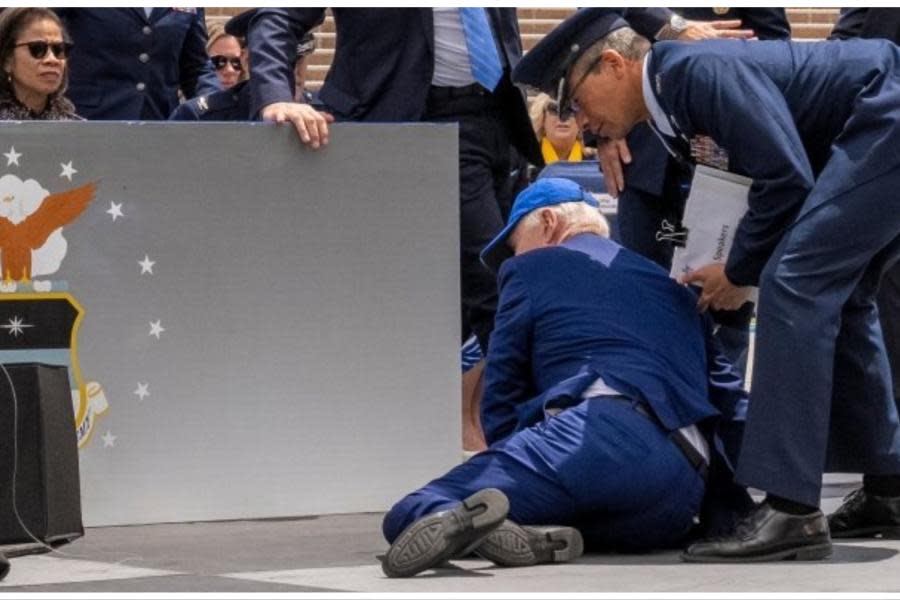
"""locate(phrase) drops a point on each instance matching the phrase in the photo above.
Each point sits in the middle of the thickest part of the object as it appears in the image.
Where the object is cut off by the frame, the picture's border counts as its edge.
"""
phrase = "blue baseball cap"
(543, 192)
(547, 65)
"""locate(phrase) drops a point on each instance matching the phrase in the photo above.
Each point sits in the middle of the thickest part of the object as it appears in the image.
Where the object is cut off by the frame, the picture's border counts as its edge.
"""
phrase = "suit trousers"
(600, 466)
(484, 173)
(889, 314)
(822, 397)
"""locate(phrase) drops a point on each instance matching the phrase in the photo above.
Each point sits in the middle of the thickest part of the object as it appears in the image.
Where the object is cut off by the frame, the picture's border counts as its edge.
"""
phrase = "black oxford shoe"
(866, 515)
(512, 545)
(767, 534)
(435, 539)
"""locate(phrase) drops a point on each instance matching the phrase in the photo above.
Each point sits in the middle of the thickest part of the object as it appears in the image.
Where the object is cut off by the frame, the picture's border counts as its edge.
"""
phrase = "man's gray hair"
(625, 41)
(578, 217)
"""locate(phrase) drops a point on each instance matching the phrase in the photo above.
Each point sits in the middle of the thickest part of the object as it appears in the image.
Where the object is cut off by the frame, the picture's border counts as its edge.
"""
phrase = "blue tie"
(483, 57)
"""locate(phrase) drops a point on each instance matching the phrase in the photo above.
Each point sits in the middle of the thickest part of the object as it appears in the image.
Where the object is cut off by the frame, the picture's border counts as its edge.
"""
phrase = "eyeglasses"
(38, 49)
(219, 61)
(573, 104)
(552, 108)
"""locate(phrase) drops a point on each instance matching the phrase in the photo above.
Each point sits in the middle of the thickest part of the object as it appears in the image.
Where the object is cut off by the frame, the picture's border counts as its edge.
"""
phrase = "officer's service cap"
(547, 65)
(548, 191)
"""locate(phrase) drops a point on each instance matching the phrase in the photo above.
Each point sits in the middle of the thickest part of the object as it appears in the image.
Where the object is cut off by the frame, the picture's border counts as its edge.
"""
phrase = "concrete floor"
(337, 553)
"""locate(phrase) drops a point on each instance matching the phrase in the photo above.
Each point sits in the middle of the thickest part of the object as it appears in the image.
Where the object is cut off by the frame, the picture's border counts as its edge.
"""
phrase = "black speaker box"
(41, 473)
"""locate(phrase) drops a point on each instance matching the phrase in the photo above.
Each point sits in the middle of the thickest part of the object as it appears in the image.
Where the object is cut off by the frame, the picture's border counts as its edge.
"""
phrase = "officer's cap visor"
(547, 66)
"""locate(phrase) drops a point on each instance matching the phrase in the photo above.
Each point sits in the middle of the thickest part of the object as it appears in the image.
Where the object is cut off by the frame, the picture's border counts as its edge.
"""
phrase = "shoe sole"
(812, 552)
(512, 545)
(434, 539)
(892, 532)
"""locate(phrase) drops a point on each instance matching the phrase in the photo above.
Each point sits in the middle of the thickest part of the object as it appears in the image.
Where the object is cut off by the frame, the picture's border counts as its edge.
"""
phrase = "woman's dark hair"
(13, 21)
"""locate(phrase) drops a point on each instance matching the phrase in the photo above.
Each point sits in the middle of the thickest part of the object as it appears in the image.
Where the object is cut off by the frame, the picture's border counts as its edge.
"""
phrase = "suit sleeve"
(507, 378)
(195, 71)
(767, 23)
(272, 42)
(850, 24)
(743, 111)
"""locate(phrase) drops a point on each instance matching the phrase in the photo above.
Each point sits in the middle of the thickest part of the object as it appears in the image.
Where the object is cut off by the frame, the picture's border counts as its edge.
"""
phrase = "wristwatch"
(671, 30)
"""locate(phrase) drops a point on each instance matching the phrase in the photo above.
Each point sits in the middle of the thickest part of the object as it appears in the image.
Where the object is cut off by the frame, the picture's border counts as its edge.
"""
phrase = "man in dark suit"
(129, 63)
(820, 231)
(597, 405)
(653, 184)
(442, 65)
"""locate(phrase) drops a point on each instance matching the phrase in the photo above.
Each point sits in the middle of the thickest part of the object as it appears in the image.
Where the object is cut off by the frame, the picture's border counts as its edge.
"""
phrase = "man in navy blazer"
(129, 65)
(597, 404)
(416, 64)
(820, 231)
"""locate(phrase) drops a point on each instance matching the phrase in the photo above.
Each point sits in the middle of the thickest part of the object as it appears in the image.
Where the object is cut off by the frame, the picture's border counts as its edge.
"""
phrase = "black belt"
(678, 437)
(438, 93)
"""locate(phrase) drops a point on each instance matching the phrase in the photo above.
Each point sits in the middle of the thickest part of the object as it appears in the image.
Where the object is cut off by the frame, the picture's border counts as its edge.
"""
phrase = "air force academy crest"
(39, 317)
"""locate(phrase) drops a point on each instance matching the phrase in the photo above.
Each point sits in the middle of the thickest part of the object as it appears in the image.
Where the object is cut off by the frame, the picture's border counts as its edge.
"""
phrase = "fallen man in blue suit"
(602, 396)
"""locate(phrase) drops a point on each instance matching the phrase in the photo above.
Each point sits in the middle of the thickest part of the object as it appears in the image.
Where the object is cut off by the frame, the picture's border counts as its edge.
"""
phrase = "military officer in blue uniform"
(653, 184)
(597, 405)
(816, 126)
(129, 63)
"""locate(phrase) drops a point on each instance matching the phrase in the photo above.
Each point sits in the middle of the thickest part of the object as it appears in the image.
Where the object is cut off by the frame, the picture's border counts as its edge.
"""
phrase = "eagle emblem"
(25, 229)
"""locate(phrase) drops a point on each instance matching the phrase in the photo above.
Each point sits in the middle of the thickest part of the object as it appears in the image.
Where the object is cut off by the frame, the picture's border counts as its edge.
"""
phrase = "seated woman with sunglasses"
(227, 56)
(560, 140)
(33, 52)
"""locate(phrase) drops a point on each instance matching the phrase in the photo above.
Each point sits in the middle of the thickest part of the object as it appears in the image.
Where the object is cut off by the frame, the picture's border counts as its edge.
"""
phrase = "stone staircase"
(807, 24)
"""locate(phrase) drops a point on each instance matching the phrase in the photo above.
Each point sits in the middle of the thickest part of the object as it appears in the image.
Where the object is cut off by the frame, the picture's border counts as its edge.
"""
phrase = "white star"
(16, 326)
(142, 390)
(109, 440)
(67, 170)
(12, 157)
(115, 210)
(156, 328)
(146, 265)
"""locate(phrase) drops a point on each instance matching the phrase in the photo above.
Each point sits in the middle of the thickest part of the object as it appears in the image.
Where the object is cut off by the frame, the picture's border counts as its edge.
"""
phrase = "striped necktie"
(483, 56)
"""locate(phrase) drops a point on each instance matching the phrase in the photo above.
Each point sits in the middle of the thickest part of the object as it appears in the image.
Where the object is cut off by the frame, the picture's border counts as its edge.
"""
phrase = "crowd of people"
(613, 412)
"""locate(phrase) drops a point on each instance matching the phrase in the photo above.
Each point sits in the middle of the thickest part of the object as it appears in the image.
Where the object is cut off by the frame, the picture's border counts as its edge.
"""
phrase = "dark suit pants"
(600, 466)
(484, 172)
(822, 397)
(889, 313)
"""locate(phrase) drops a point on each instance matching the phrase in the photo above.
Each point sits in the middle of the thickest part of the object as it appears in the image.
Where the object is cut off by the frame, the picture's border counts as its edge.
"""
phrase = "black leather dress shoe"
(512, 545)
(4, 567)
(767, 534)
(866, 515)
(435, 539)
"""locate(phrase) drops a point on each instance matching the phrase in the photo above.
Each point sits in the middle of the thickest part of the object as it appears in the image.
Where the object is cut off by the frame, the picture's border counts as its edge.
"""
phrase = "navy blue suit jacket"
(650, 166)
(125, 66)
(589, 308)
(762, 102)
